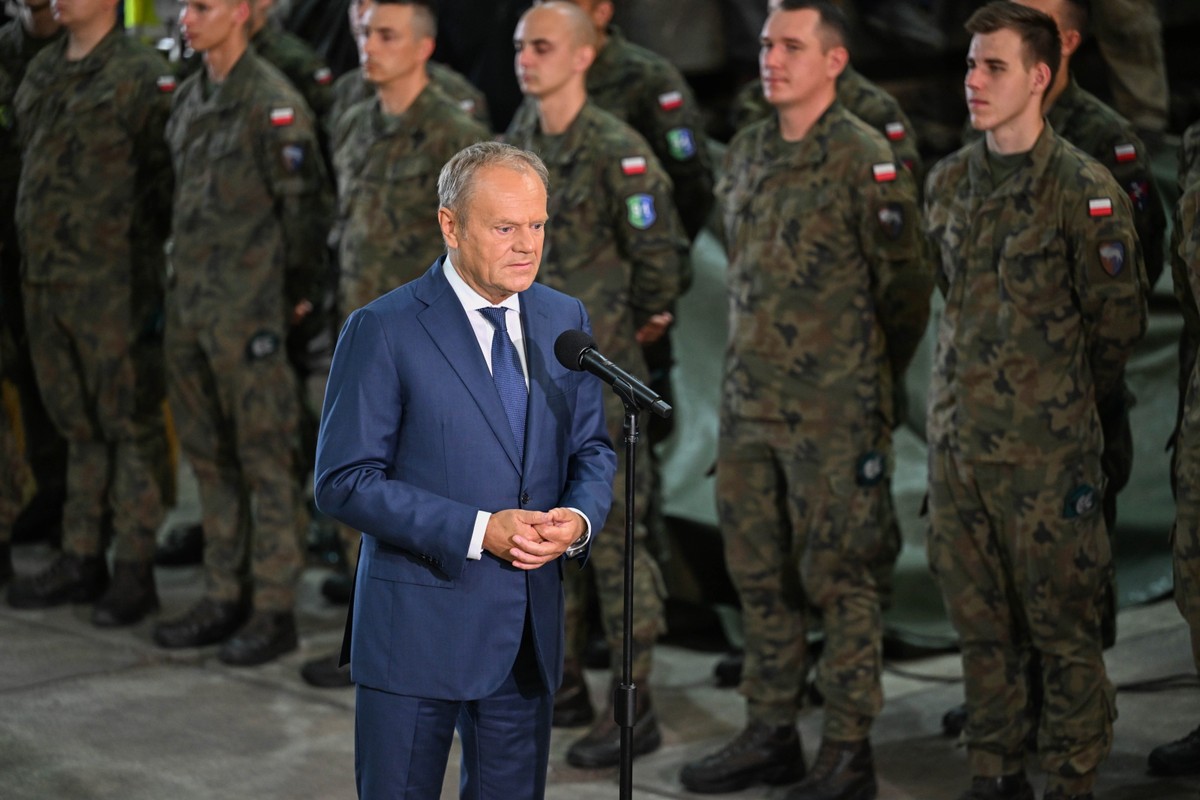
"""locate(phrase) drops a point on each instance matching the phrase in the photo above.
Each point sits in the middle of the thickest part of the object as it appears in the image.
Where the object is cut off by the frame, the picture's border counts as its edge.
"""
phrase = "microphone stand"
(625, 694)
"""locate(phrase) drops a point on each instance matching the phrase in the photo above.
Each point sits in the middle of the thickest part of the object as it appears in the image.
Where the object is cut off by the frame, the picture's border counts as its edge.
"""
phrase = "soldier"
(1129, 33)
(617, 244)
(829, 295)
(1182, 757)
(387, 156)
(91, 217)
(292, 56)
(1041, 271)
(246, 265)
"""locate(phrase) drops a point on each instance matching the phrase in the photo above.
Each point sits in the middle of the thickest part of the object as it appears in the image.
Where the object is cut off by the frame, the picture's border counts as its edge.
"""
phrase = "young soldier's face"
(793, 62)
(391, 48)
(209, 23)
(546, 58)
(498, 248)
(999, 85)
(71, 13)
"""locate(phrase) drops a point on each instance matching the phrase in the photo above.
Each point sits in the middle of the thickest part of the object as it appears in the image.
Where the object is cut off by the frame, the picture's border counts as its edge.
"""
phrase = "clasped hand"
(529, 539)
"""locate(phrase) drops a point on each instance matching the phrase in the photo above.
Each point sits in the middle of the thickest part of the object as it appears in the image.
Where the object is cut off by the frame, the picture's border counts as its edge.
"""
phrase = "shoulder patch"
(1100, 207)
(323, 76)
(884, 172)
(895, 131)
(681, 143)
(468, 105)
(166, 83)
(640, 210)
(634, 165)
(1112, 257)
(1139, 194)
(282, 117)
(669, 101)
(891, 219)
(1125, 153)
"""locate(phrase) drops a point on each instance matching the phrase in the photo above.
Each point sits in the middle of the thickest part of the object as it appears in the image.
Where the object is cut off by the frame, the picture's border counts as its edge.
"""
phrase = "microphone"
(576, 350)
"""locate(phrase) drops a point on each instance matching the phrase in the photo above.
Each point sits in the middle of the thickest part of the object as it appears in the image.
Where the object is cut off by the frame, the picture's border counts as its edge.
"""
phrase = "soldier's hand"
(300, 311)
(655, 327)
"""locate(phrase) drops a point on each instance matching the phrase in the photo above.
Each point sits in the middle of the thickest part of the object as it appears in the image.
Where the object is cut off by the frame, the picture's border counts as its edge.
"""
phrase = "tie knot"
(496, 317)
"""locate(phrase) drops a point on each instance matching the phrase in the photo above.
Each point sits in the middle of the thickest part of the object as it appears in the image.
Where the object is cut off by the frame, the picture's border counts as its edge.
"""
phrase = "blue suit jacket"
(413, 442)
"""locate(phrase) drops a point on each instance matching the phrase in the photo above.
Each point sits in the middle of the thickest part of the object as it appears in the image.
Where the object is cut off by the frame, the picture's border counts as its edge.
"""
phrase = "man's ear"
(1070, 42)
(449, 225)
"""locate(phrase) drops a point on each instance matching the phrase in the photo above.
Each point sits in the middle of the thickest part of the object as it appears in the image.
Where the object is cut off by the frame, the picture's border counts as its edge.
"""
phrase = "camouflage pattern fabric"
(292, 56)
(1130, 36)
(614, 241)
(17, 49)
(1044, 303)
(251, 214)
(92, 212)
(829, 285)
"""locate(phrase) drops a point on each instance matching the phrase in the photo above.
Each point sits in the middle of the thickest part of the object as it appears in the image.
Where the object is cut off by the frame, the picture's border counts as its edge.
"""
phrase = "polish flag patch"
(670, 101)
(634, 165)
(895, 131)
(282, 117)
(1125, 152)
(166, 83)
(323, 76)
(884, 172)
(1100, 207)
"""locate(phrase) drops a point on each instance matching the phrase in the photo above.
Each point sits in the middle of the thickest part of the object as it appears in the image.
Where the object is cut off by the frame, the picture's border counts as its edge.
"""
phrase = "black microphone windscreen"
(570, 346)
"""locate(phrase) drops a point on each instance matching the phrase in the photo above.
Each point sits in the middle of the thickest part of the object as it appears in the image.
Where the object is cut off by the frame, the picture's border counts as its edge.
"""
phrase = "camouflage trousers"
(101, 381)
(1129, 33)
(235, 402)
(1185, 534)
(1023, 558)
(16, 478)
(802, 533)
(607, 564)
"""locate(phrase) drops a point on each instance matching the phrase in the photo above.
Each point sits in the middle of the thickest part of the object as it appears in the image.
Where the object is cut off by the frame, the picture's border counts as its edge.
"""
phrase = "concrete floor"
(86, 713)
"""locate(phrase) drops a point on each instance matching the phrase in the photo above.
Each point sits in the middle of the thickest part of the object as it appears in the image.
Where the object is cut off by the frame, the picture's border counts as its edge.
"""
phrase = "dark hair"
(1078, 14)
(834, 28)
(424, 14)
(1040, 41)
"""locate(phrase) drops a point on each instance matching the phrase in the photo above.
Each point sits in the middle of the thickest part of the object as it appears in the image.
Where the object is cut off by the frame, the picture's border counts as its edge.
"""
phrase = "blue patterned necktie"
(507, 374)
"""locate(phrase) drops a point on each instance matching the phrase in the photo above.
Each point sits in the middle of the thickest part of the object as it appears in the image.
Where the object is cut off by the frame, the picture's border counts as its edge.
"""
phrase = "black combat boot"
(572, 705)
(182, 546)
(759, 754)
(842, 771)
(601, 745)
(1181, 757)
(6, 570)
(1006, 787)
(324, 672)
(207, 622)
(268, 635)
(68, 579)
(131, 595)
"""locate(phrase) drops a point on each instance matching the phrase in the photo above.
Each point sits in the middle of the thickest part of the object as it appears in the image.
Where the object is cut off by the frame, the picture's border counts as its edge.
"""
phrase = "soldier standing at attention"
(1040, 268)
(387, 156)
(617, 244)
(250, 218)
(1182, 757)
(91, 215)
(829, 296)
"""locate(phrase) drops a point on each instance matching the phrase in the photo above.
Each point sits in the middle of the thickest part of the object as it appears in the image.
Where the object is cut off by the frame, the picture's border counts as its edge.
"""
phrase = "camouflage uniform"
(1129, 33)
(292, 56)
(92, 213)
(829, 288)
(1044, 303)
(616, 243)
(387, 168)
(1185, 268)
(647, 92)
(251, 212)
(862, 98)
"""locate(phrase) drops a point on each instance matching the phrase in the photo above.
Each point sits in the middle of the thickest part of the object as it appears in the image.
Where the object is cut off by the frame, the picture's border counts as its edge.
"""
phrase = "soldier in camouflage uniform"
(617, 244)
(92, 213)
(1041, 271)
(246, 265)
(1182, 757)
(829, 296)
(292, 56)
(387, 156)
(1129, 33)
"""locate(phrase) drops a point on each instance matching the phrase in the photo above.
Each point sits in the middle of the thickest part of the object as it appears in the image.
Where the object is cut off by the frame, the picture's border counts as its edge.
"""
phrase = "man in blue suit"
(474, 464)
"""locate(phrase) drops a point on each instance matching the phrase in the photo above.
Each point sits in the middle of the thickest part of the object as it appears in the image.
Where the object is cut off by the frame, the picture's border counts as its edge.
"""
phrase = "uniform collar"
(562, 149)
(1027, 178)
(392, 124)
(812, 149)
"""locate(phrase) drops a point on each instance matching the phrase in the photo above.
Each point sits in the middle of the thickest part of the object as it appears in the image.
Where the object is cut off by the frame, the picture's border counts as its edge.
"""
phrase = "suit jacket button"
(524, 498)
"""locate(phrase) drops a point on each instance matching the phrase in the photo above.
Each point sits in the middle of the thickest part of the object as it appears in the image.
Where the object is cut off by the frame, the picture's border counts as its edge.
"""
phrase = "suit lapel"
(447, 325)
(535, 323)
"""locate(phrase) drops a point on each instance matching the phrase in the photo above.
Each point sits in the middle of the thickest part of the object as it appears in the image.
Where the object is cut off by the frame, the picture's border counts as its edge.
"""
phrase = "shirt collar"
(472, 300)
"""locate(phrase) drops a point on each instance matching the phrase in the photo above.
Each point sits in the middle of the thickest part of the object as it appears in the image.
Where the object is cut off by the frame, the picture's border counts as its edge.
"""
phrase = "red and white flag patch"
(1100, 207)
(634, 165)
(1125, 153)
(884, 172)
(282, 117)
(895, 131)
(166, 83)
(323, 76)
(670, 101)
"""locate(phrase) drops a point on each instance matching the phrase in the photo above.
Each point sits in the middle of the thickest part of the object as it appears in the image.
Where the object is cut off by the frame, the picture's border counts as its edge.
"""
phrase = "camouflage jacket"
(17, 49)
(351, 89)
(387, 167)
(1083, 120)
(1044, 303)
(866, 100)
(93, 203)
(646, 91)
(1185, 258)
(614, 239)
(252, 201)
(292, 56)
(829, 280)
